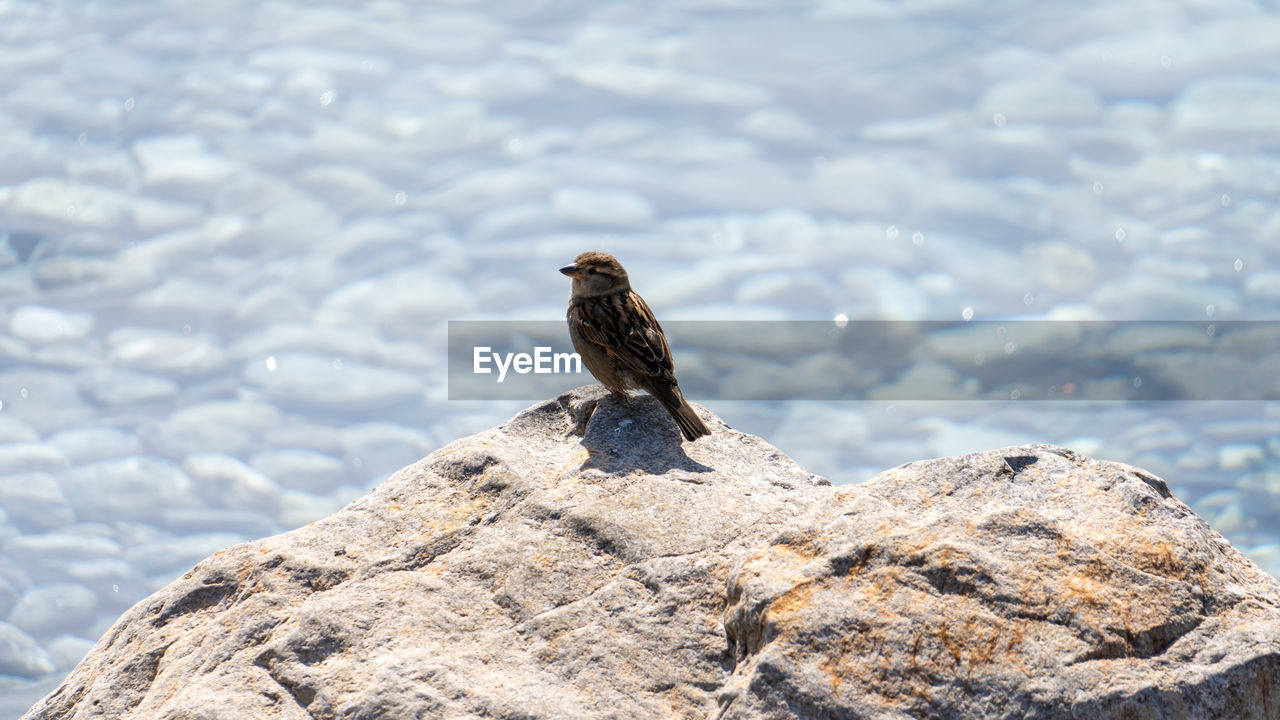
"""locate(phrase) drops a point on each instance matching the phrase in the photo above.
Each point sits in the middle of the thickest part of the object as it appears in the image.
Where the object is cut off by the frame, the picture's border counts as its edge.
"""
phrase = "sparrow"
(620, 341)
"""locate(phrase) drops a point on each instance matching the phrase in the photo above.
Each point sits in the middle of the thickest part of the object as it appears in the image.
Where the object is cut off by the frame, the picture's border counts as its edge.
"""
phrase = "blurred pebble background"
(232, 233)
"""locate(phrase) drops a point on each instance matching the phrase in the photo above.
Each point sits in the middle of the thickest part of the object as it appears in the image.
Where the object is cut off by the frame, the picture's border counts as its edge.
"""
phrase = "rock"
(579, 561)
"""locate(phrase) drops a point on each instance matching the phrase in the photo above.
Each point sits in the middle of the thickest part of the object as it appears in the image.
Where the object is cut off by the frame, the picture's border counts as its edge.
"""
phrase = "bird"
(620, 341)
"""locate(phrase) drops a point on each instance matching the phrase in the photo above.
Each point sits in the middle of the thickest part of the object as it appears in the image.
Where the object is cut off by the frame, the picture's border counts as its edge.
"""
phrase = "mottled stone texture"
(579, 561)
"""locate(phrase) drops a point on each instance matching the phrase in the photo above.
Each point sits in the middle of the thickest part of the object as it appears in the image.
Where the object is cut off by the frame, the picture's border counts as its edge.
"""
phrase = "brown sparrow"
(619, 339)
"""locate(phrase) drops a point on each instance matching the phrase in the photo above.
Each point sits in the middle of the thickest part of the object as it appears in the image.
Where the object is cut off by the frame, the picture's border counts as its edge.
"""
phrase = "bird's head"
(596, 273)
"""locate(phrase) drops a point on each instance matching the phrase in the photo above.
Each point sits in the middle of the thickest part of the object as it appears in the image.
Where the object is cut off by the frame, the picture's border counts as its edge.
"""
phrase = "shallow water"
(232, 234)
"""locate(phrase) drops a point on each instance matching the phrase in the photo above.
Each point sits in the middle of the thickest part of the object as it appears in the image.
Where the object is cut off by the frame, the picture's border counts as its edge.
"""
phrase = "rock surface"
(580, 562)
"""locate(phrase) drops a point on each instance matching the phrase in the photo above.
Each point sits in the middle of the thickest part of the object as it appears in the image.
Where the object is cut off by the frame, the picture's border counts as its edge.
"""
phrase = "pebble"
(60, 547)
(608, 208)
(163, 351)
(881, 294)
(189, 521)
(224, 481)
(1263, 286)
(492, 81)
(207, 427)
(182, 159)
(30, 457)
(1267, 556)
(179, 554)
(91, 444)
(173, 249)
(482, 190)
(948, 438)
(317, 381)
(68, 356)
(396, 298)
(1257, 429)
(1235, 456)
(132, 488)
(290, 58)
(38, 324)
(807, 293)
(301, 469)
(1062, 268)
(56, 607)
(44, 400)
(1231, 107)
(273, 305)
(505, 222)
(299, 508)
(67, 650)
(8, 596)
(779, 125)
(20, 655)
(182, 299)
(121, 387)
(114, 581)
(376, 448)
(34, 502)
(347, 189)
(1040, 101)
(13, 431)
(56, 205)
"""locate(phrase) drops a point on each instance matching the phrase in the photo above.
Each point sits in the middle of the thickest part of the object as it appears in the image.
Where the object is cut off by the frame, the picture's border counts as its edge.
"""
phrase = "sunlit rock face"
(580, 561)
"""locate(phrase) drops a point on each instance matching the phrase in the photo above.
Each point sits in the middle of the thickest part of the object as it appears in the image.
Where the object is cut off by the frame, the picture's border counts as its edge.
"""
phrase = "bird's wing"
(624, 328)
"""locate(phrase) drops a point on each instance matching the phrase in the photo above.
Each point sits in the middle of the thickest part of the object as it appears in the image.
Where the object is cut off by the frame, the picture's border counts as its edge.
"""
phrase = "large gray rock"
(580, 562)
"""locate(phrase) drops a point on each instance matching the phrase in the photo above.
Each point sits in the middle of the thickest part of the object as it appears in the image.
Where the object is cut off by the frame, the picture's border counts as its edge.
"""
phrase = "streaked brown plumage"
(619, 339)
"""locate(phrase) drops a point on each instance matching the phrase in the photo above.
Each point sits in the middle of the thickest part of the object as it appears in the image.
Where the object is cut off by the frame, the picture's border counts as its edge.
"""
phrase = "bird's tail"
(691, 426)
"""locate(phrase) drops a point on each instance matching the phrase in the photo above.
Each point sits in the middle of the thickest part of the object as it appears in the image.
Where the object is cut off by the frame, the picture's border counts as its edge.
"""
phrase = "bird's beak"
(571, 270)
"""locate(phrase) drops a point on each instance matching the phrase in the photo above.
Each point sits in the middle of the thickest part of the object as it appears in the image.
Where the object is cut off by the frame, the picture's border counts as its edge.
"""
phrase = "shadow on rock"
(636, 435)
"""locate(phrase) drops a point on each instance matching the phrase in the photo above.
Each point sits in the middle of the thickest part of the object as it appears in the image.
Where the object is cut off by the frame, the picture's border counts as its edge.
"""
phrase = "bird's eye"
(591, 271)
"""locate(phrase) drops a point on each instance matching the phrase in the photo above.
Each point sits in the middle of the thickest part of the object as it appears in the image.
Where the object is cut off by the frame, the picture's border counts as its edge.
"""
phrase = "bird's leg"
(622, 397)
